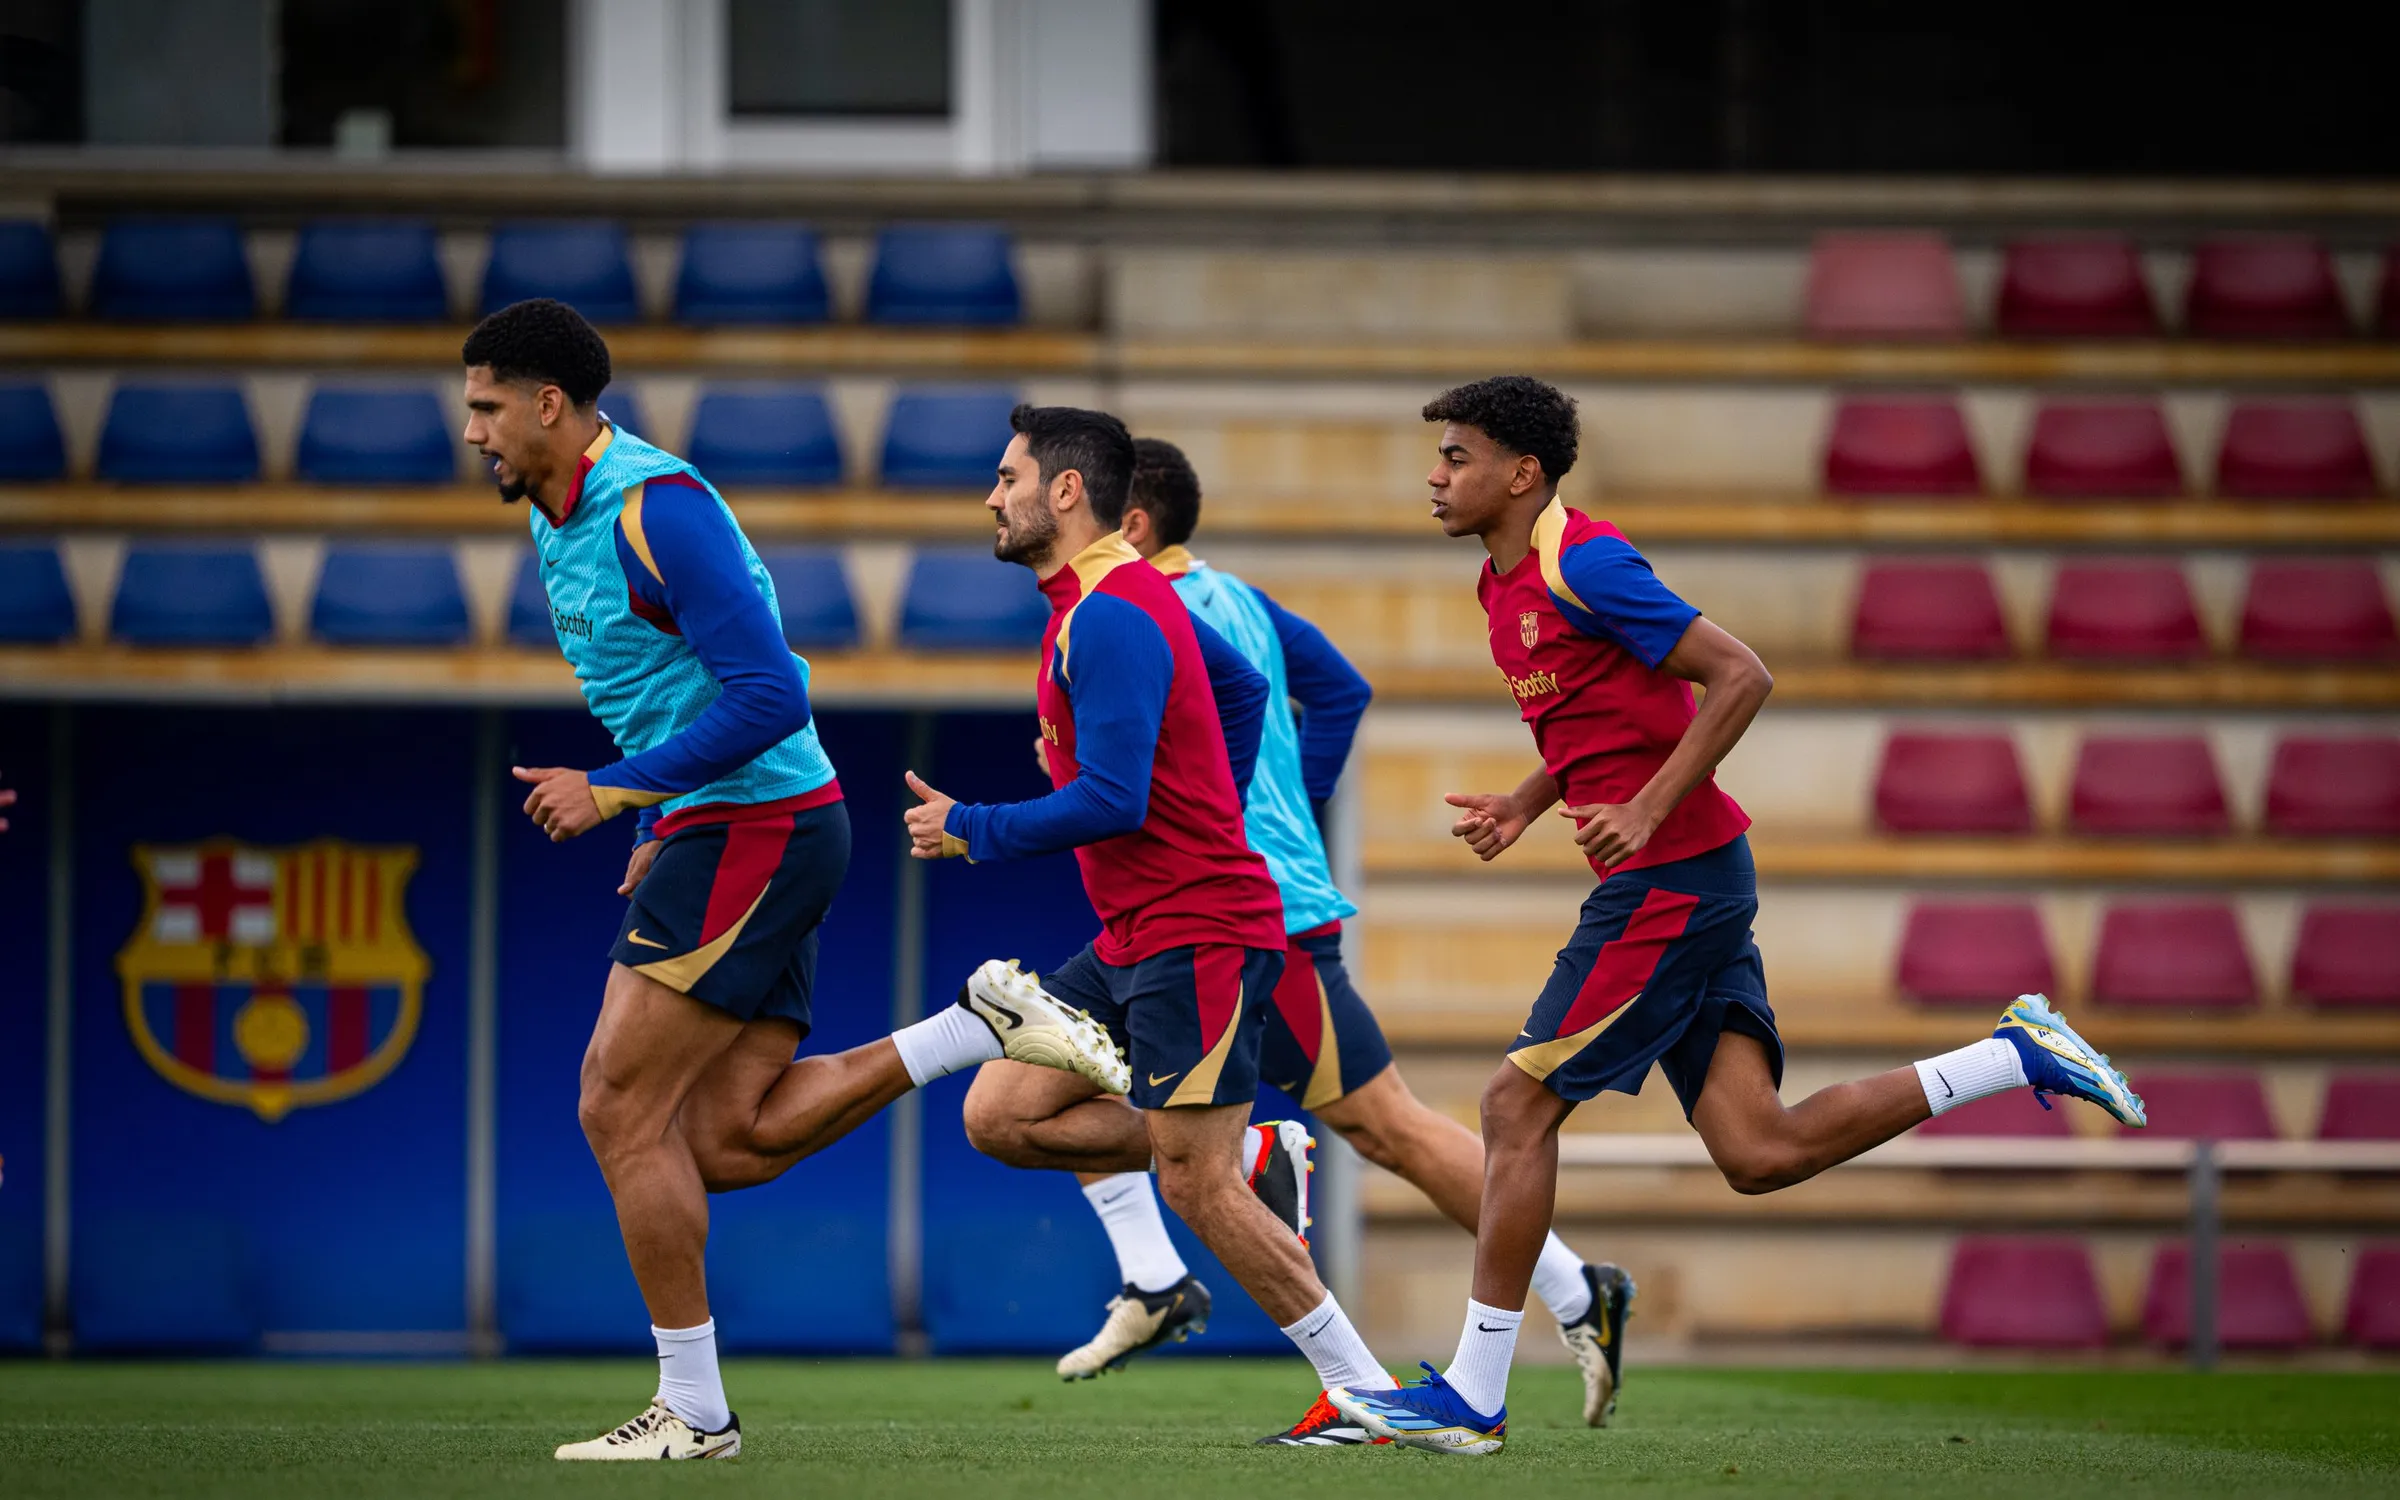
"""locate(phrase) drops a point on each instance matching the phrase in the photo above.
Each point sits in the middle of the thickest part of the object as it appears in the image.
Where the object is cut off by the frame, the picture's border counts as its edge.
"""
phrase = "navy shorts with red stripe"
(1321, 1041)
(1661, 964)
(1188, 1018)
(729, 911)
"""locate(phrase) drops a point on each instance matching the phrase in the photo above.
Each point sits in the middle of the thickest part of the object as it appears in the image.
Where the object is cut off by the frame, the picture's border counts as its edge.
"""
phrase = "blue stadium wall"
(211, 1224)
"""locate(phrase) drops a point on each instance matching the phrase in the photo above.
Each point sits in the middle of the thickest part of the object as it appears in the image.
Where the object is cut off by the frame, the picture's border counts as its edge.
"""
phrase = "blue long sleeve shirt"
(1332, 696)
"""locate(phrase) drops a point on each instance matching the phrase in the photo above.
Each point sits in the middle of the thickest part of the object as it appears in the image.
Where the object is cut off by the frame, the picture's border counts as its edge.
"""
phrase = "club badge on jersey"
(1529, 629)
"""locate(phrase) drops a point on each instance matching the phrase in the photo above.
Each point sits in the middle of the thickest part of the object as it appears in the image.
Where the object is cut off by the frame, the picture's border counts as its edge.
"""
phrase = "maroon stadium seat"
(2178, 955)
(2295, 450)
(2258, 1299)
(2347, 786)
(2012, 1114)
(1951, 783)
(2373, 1318)
(2348, 955)
(1974, 953)
(2387, 300)
(2359, 1107)
(2075, 288)
(2270, 287)
(2132, 610)
(2216, 1105)
(2317, 611)
(2022, 1293)
(2156, 785)
(1875, 286)
(1928, 611)
(2113, 448)
(1907, 446)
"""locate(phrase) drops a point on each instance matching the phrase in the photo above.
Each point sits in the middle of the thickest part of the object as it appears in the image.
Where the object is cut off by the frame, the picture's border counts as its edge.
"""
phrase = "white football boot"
(658, 1434)
(1037, 1027)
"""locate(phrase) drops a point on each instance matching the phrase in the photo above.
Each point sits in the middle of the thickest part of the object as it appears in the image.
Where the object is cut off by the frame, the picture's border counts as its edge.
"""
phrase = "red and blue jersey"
(1146, 775)
(1579, 627)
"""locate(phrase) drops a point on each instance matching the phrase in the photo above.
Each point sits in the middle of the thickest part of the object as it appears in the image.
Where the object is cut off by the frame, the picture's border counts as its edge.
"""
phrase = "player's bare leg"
(1761, 1145)
(1199, 1154)
(756, 1110)
(1043, 1119)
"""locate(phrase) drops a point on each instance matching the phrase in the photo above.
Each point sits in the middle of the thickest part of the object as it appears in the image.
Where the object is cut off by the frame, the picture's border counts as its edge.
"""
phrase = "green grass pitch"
(1172, 1429)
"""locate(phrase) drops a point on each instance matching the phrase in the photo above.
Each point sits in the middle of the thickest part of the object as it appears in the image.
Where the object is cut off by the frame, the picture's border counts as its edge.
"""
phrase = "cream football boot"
(658, 1434)
(1037, 1027)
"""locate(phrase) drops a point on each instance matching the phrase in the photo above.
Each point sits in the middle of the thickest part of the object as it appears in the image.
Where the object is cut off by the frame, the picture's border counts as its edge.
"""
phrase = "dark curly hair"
(1165, 487)
(1092, 443)
(1520, 413)
(543, 341)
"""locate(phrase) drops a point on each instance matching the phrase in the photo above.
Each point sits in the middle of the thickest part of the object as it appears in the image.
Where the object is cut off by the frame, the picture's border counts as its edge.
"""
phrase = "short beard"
(512, 491)
(1029, 538)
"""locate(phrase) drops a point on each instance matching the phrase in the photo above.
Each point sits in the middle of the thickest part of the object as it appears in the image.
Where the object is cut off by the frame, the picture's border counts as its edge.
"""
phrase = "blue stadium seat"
(173, 270)
(367, 271)
(529, 607)
(765, 434)
(813, 588)
(964, 599)
(946, 437)
(583, 264)
(178, 434)
(163, 1282)
(28, 270)
(30, 445)
(750, 273)
(191, 596)
(376, 437)
(619, 404)
(35, 604)
(391, 595)
(943, 273)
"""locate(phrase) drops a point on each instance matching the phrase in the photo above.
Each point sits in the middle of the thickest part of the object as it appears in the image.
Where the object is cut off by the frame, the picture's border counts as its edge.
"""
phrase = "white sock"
(1486, 1345)
(1975, 1071)
(1128, 1210)
(688, 1383)
(949, 1041)
(1558, 1281)
(1342, 1358)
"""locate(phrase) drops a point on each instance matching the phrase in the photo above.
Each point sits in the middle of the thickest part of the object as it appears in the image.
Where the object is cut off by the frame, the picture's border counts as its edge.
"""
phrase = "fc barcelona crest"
(273, 978)
(1529, 628)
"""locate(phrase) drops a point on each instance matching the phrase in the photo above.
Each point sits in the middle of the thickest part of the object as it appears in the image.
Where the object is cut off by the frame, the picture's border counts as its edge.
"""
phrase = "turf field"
(1179, 1428)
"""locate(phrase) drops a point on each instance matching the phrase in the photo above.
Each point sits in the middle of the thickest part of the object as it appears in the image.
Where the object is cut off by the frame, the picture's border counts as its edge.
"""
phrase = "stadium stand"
(2361, 1107)
(2156, 786)
(2082, 449)
(2264, 287)
(2022, 1293)
(2371, 1318)
(529, 607)
(945, 437)
(2075, 288)
(31, 447)
(2216, 1105)
(1933, 782)
(191, 596)
(2387, 295)
(2123, 611)
(28, 270)
(366, 271)
(368, 436)
(762, 434)
(2337, 787)
(2348, 955)
(958, 274)
(389, 595)
(2309, 610)
(813, 589)
(583, 264)
(2259, 1305)
(173, 271)
(2181, 954)
(2295, 449)
(1885, 446)
(750, 273)
(961, 599)
(1928, 611)
(178, 434)
(35, 604)
(1881, 286)
(620, 405)
(1977, 953)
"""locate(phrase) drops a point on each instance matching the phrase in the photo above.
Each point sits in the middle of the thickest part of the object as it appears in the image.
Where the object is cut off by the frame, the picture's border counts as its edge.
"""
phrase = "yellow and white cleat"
(1597, 1340)
(657, 1434)
(1139, 1321)
(1035, 1026)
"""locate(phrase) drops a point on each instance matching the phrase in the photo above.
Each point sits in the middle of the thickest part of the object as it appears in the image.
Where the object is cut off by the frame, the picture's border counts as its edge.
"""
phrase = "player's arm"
(1241, 693)
(1116, 672)
(1491, 821)
(1332, 696)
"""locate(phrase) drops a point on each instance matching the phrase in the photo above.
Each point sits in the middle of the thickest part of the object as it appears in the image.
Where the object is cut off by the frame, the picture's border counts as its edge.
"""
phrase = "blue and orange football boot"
(2057, 1061)
(1425, 1414)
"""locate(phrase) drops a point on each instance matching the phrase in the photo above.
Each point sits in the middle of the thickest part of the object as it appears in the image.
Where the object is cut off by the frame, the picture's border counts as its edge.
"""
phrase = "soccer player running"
(671, 624)
(1662, 967)
(1147, 779)
(1322, 1045)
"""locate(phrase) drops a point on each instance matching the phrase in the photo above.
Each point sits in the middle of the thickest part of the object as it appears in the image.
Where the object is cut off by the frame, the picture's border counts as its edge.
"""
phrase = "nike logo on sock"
(1310, 1333)
(1488, 1328)
(1947, 1091)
